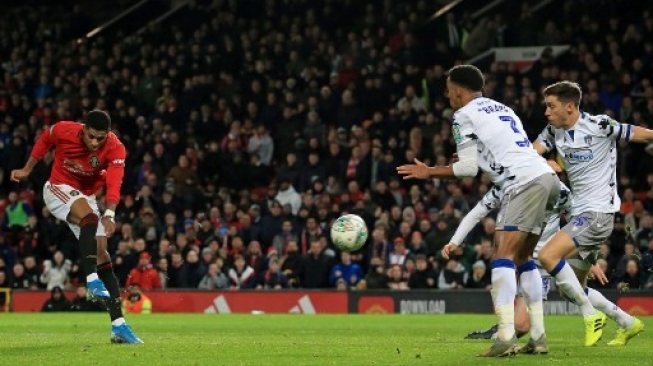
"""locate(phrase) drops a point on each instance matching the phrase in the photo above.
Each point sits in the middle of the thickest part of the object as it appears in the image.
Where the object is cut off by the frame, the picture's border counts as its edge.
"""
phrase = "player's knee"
(89, 219)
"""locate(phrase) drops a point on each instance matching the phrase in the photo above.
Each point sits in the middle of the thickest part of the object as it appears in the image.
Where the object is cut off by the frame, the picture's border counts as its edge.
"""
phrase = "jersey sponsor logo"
(73, 164)
(118, 161)
(94, 161)
(580, 155)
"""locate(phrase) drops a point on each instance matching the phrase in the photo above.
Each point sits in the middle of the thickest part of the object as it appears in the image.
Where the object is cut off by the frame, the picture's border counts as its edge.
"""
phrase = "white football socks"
(609, 308)
(504, 290)
(530, 282)
(566, 280)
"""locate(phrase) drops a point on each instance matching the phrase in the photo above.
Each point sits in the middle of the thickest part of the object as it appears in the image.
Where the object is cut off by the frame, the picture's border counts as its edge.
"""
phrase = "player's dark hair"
(565, 91)
(467, 76)
(98, 120)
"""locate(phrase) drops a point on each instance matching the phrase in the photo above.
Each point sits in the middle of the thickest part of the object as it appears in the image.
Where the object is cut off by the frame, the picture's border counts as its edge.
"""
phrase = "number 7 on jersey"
(515, 129)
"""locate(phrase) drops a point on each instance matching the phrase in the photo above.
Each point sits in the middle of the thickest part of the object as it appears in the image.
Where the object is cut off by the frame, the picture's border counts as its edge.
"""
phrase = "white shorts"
(60, 197)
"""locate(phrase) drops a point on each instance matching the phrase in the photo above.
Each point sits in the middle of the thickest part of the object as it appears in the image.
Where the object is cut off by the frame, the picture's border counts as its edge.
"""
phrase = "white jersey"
(589, 152)
(492, 200)
(504, 150)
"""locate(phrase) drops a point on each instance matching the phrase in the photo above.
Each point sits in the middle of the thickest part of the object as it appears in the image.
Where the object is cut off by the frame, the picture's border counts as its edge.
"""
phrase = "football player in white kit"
(490, 202)
(490, 136)
(588, 146)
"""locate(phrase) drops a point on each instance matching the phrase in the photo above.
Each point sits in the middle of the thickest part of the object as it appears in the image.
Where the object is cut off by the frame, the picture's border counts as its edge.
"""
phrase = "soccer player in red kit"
(87, 157)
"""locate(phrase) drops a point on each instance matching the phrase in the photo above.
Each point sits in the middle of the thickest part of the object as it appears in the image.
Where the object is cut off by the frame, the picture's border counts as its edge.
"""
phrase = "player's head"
(96, 129)
(464, 82)
(562, 101)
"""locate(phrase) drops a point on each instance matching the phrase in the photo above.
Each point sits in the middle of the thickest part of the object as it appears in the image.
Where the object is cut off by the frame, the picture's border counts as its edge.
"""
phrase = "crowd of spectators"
(251, 125)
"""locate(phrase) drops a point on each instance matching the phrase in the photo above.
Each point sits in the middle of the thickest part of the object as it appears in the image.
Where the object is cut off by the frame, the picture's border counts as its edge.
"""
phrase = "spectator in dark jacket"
(315, 267)
(82, 303)
(56, 302)
(424, 276)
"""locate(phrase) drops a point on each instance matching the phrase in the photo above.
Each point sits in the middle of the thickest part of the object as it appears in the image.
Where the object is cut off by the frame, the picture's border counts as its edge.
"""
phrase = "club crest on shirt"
(94, 161)
(588, 139)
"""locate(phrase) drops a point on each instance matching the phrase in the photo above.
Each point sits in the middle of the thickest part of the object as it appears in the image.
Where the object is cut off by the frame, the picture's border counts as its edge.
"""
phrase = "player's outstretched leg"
(629, 326)
(88, 249)
(560, 246)
(120, 331)
(522, 324)
(530, 282)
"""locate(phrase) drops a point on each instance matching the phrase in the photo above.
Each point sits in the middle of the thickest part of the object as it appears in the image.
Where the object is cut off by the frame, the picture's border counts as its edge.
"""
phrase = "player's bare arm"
(19, 174)
(113, 177)
(642, 135)
(42, 146)
(419, 170)
(539, 148)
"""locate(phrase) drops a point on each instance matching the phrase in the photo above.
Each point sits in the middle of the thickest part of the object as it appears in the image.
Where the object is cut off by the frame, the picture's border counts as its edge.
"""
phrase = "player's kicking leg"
(120, 331)
(68, 204)
(628, 326)
(580, 232)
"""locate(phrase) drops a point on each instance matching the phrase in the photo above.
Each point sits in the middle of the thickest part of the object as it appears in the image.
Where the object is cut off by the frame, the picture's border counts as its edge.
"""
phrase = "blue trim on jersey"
(558, 268)
(582, 115)
(510, 228)
(621, 126)
(528, 266)
(571, 134)
(628, 137)
(576, 243)
(587, 291)
(502, 263)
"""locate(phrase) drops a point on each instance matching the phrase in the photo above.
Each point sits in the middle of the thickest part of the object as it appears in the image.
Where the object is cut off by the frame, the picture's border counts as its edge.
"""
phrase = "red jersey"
(78, 167)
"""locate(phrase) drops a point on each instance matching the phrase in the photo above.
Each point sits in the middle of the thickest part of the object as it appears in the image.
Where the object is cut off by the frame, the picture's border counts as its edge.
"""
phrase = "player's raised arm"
(481, 210)
(43, 145)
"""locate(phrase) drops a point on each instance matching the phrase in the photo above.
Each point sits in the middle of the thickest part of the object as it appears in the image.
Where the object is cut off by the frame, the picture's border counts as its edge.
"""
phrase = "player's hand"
(109, 226)
(418, 170)
(556, 168)
(597, 273)
(448, 249)
(19, 174)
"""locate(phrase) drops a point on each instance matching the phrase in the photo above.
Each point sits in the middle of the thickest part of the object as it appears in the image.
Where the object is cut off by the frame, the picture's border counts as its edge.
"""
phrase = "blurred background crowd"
(251, 125)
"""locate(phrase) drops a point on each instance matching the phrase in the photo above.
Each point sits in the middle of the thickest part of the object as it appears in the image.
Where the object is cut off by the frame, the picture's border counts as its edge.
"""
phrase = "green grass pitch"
(197, 339)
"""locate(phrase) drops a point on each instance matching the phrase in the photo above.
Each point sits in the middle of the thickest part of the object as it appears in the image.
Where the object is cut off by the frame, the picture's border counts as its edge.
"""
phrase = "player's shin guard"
(609, 308)
(568, 283)
(88, 245)
(530, 281)
(504, 290)
(106, 274)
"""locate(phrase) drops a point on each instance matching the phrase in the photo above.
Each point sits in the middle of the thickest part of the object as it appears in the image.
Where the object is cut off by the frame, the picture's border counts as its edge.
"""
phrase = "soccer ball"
(349, 232)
